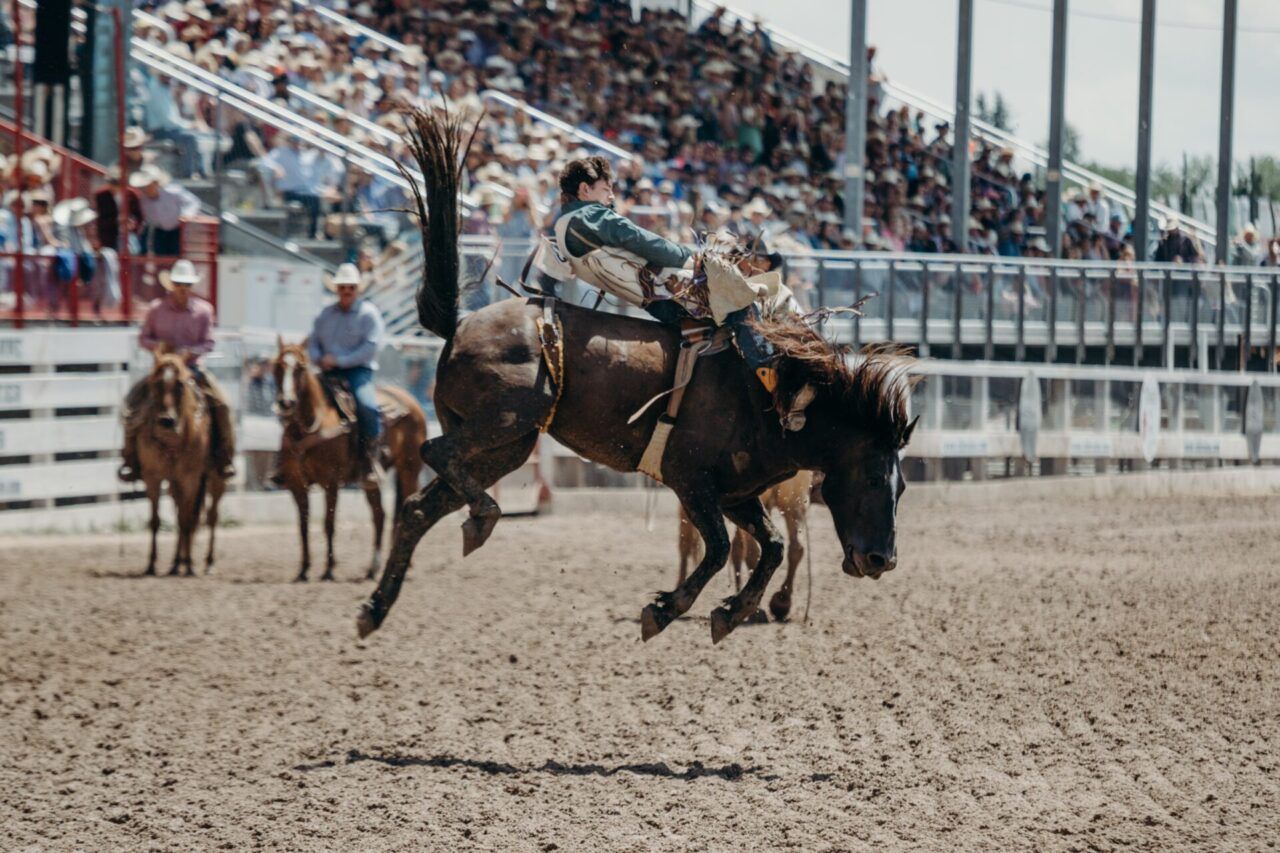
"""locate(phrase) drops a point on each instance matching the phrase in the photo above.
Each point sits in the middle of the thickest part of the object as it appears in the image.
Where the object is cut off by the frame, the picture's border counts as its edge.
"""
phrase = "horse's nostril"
(167, 422)
(877, 560)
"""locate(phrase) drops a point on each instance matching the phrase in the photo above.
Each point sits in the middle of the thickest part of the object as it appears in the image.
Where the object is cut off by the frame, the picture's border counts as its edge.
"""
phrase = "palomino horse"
(316, 449)
(173, 447)
(522, 365)
(791, 498)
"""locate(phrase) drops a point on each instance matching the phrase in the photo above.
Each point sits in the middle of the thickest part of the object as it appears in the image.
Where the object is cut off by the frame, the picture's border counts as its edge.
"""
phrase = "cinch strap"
(549, 324)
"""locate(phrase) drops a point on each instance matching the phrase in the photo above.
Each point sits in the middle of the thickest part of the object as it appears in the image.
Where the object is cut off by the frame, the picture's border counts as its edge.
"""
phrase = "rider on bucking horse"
(607, 250)
(181, 323)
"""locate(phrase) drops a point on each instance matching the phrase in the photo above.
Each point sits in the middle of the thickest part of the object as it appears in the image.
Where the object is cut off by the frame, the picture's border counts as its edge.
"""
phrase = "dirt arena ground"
(1046, 675)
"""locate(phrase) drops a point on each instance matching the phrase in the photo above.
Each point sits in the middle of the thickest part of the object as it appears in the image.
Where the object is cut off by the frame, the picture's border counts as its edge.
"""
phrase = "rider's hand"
(328, 362)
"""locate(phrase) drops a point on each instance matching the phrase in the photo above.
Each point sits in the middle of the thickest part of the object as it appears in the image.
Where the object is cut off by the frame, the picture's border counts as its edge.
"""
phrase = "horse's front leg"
(330, 515)
(153, 495)
(299, 492)
(177, 496)
(373, 495)
(780, 603)
(751, 517)
(702, 506)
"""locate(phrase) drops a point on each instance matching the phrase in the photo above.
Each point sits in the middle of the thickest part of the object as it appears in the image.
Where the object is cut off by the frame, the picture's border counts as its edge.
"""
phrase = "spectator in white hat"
(164, 206)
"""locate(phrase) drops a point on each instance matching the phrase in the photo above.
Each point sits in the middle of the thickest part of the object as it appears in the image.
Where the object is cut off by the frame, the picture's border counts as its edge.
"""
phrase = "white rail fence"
(61, 389)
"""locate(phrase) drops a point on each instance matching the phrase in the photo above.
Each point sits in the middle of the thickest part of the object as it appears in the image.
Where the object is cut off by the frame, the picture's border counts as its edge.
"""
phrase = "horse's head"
(171, 394)
(855, 428)
(291, 368)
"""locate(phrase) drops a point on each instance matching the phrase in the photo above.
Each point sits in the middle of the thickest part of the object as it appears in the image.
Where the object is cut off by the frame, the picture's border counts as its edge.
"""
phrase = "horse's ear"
(279, 342)
(906, 433)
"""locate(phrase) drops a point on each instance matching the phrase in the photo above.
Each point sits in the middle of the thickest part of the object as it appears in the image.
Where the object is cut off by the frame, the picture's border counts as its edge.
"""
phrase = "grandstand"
(279, 128)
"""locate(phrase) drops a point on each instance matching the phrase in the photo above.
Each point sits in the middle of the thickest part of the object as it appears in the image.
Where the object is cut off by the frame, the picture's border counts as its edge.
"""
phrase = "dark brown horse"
(494, 391)
(316, 449)
(173, 446)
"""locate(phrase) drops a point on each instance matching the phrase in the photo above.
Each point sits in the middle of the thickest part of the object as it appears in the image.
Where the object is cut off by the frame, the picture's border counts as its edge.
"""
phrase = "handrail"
(547, 118)
(525, 107)
(285, 246)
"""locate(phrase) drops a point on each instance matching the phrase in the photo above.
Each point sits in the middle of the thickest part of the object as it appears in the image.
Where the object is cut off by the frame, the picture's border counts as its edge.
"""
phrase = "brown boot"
(131, 470)
(371, 471)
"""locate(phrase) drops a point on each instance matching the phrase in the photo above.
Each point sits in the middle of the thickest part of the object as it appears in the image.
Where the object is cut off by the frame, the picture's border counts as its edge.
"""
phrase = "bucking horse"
(524, 365)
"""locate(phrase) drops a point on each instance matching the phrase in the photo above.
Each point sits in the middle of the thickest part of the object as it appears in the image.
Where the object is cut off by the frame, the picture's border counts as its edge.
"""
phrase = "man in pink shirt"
(181, 323)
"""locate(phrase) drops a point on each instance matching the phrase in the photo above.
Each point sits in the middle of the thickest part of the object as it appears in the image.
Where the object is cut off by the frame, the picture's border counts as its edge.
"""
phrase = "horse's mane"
(871, 386)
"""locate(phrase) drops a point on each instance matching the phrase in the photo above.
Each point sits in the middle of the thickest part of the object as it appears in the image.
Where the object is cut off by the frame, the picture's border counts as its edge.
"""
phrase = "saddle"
(340, 397)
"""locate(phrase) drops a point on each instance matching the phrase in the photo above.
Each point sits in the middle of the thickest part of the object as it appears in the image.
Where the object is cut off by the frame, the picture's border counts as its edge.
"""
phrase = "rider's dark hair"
(584, 170)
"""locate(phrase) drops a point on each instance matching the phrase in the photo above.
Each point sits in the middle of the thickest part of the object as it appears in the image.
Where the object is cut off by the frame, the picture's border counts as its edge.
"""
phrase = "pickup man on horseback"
(181, 323)
(344, 342)
(609, 251)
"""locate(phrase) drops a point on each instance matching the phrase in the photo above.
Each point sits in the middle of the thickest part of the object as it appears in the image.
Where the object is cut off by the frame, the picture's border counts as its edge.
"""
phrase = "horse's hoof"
(150, 572)
(302, 578)
(758, 618)
(366, 624)
(327, 576)
(476, 530)
(721, 624)
(208, 569)
(652, 621)
(174, 572)
(780, 606)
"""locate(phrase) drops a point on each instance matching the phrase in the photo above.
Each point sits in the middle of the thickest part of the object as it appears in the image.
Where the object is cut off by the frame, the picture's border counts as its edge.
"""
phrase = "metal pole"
(126, 258)
(1142, 188)
(1057, 99)
(1225, 104)
(217, 157)
(960, 148)
(855, 118)
(19, 109)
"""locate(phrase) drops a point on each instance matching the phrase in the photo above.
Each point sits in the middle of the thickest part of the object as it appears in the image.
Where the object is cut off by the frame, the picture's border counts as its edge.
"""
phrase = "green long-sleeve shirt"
(594, 225)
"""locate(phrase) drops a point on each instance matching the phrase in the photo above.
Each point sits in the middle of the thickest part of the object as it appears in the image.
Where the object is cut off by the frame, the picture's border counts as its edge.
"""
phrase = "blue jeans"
(368, 419)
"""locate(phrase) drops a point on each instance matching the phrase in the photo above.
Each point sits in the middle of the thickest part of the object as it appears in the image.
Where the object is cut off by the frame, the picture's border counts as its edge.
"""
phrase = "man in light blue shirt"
(344, 341)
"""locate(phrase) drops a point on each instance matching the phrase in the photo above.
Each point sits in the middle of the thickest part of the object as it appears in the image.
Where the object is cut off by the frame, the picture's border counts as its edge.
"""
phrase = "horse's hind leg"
(750, 516)
(421, 511)
(452, 457)
(216, 487)
(374, 496)
(702, 505)
(330, 515)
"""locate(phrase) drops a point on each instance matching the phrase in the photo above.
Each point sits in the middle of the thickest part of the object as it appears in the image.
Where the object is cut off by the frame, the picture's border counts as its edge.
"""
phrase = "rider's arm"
(315, 351)
(147, 334)
(363, 355)
(607, 228)
(205, 344)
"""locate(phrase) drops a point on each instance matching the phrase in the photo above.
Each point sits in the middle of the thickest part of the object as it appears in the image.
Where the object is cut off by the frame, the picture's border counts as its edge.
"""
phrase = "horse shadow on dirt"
(659, 769)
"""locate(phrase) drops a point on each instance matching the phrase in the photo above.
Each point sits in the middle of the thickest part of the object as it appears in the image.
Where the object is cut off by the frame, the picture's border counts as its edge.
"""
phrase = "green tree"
(994, 111)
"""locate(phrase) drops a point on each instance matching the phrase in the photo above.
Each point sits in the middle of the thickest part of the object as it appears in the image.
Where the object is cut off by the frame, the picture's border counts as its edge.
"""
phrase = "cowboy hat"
(134, 137)
(73, 212)
(757, 205)
(182, 272)
(146, 176)
(346, 274)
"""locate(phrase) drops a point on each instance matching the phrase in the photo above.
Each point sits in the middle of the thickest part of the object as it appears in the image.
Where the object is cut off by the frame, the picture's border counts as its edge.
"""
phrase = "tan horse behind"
(791, 498)
(315, 449)
(173, 447)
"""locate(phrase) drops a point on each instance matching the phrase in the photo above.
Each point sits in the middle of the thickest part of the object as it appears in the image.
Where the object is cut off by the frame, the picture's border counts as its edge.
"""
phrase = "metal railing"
(978, 306)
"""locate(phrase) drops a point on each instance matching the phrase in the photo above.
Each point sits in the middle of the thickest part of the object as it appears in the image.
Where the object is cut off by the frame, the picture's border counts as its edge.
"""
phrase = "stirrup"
(126, 473)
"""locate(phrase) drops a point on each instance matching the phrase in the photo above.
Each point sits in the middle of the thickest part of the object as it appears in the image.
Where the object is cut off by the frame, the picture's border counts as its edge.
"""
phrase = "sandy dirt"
(1047, 675)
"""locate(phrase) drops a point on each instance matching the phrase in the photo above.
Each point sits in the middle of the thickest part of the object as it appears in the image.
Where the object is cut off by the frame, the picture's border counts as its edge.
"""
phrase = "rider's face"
(601, 191)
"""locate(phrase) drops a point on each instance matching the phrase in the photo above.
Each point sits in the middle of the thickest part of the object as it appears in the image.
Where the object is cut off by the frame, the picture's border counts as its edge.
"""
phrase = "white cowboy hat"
(346, 274)
(146, 176)
(757, 205)
(182, 272)
(73, 212)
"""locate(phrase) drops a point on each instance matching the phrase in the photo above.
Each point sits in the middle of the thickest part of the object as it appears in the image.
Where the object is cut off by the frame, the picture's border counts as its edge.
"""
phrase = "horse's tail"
(436, 142)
